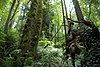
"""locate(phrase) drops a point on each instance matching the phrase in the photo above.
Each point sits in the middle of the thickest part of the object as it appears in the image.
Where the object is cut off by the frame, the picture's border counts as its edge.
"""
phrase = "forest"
(49, 33)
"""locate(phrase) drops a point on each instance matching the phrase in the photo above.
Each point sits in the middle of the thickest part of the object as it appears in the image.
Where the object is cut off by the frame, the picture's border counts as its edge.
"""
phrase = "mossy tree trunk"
(32, 29)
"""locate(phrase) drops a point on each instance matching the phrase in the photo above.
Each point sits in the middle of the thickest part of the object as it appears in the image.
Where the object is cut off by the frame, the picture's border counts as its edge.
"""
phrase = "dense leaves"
(51, 47)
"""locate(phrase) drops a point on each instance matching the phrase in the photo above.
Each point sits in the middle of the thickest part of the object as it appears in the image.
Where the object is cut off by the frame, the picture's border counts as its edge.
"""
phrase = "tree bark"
(65, 29)
(78, 13)
(64, 21)
(32, 29)
(9, 16)
(14, 13)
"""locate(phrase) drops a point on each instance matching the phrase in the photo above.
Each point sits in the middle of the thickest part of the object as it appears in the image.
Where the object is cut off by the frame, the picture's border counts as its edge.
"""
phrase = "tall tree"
(78, 12)
(32, 29)
(9, 16)
(64, 22)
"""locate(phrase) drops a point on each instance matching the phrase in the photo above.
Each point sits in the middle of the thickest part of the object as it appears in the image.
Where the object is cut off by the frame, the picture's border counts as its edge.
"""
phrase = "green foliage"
(8, 42)
(2, 36)
(6, 63)
(2, 41)
(50, 56)
(50, 52)
(3, 3)
(28, 61)
(91, 9)
(58, 45)
(12, 40)
(45, 42)
(13, 37)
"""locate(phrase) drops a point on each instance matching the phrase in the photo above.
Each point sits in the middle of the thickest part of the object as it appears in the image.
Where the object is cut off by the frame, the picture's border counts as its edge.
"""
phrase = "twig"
(56, 33)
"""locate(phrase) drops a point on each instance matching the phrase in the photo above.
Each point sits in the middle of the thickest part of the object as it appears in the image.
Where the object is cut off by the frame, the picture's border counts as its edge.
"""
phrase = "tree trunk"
(65, 29)
(9, 16)
(78, 13)
(32, 29)
(14, 13)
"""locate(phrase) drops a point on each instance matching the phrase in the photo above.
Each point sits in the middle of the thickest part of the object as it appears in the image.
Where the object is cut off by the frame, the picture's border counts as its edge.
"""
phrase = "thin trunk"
(15, 10)
(14, 13)
(67, 22)
(89, 9)
(78, 12)
(9, 16)
(67, 49)
(55, 35)
(58, 28)
(64, 21)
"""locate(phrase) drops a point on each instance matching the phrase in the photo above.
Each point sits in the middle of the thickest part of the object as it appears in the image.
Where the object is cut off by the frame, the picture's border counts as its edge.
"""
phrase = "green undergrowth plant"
(12, 41)
(9, 42)
(49, 56)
